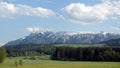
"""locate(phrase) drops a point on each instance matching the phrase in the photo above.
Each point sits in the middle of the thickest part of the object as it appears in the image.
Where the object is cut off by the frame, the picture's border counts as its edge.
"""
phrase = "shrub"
(20, 62)
(32, 58)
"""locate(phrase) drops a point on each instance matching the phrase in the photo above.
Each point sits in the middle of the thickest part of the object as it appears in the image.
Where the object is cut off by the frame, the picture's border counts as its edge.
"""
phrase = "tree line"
(29, 50)
(86, 54)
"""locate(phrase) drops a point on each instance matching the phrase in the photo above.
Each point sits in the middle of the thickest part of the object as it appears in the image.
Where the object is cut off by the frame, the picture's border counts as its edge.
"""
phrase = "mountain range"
(49, 37)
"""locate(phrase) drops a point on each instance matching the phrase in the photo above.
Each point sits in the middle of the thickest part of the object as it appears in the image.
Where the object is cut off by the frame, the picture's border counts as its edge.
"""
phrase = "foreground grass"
(9, 63)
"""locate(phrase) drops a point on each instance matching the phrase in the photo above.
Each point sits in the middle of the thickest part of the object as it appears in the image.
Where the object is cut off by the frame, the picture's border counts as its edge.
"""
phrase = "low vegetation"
(18, 64)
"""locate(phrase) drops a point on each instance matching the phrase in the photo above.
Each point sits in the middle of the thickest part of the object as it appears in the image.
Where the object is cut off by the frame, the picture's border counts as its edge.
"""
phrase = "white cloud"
(1, 44)
(116, 28)
(75, 12)
(83, 14)
(36, 29)
(8, 10)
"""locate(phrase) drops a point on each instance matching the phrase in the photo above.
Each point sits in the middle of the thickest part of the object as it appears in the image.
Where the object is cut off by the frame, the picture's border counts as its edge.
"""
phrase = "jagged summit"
(67, 32)
(49, 37)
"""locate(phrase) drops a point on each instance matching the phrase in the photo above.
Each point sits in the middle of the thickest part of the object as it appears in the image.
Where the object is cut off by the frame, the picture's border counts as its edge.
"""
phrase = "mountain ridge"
(49, 37)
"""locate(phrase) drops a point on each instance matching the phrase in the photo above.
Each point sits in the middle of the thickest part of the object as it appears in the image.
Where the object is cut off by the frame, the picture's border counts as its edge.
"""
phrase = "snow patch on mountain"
(49, 37)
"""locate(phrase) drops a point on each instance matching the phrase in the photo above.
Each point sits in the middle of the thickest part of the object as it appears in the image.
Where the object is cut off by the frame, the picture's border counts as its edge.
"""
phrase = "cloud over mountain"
(36, 29)
(1, 44)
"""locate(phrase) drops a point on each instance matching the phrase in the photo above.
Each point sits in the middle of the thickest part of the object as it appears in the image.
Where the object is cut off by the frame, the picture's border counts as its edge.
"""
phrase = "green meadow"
(80, 45)
(10, 63)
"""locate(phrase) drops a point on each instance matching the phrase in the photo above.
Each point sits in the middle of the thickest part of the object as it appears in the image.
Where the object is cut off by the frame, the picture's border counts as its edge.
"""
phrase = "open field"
(9, 63)
(80, 45)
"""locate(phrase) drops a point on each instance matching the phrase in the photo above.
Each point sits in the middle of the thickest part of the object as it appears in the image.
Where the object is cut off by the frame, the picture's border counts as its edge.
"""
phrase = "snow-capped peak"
(23, 37)
(48, 37)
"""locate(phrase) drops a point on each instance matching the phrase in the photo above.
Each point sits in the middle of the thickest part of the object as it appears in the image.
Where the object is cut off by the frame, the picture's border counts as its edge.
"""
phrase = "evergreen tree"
(2, 54)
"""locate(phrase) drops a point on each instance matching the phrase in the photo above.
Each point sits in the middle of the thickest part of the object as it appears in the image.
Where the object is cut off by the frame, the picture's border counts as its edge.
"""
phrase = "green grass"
(9, 63)
(80, 45)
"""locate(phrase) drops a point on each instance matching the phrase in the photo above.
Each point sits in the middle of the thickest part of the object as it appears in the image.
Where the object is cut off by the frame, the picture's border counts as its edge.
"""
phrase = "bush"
(32, 58)
(16, 63)
(20, 62)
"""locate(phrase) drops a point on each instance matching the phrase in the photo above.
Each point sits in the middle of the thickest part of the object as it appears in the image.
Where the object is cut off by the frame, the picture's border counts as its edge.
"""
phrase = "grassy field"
(80, 45)
(9, 63)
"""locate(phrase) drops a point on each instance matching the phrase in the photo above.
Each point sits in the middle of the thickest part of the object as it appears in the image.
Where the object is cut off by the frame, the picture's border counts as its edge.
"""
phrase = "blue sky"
(19, 18)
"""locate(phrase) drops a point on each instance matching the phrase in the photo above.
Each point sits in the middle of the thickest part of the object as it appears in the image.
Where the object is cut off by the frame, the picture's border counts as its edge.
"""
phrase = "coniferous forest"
(29, 50)
(87, 54)
(66, 53)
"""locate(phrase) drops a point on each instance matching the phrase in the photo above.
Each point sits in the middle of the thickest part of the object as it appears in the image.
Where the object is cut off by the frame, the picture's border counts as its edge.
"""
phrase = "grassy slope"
(9, 63)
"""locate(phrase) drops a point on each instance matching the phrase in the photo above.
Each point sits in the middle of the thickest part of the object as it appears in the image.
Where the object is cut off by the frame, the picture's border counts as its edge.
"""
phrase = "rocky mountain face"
(48, 37)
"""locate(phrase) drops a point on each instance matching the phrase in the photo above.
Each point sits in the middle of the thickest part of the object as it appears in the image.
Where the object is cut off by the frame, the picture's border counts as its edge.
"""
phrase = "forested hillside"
(113, 42)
